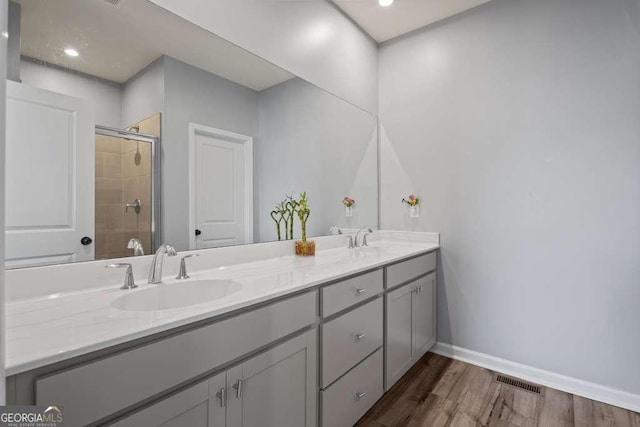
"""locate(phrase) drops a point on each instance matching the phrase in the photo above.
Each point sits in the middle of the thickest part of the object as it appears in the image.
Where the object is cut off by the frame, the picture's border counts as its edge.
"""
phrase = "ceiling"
(403, 16)
(117, 41)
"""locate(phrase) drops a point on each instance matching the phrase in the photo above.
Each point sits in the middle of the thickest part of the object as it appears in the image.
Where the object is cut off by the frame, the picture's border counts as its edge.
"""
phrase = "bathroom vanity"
(304, 342)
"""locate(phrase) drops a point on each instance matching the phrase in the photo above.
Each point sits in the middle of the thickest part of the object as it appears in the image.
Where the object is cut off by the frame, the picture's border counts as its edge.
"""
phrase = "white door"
(49, 177)
(276, 388)
(221, 187)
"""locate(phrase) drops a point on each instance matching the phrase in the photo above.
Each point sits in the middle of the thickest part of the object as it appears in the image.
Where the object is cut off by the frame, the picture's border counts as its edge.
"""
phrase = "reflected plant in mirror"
(279, 215)
(91, 138)
(348, 203)
(303, 246)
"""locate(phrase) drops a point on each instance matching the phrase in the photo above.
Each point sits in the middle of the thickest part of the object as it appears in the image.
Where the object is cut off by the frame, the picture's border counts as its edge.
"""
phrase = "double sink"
(165, 296)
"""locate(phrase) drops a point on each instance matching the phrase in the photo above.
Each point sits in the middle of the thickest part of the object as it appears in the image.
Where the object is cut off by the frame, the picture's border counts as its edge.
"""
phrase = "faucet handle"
(129, 282)
(182, 274)
(364, 238)
(336, 229)
(351, 245)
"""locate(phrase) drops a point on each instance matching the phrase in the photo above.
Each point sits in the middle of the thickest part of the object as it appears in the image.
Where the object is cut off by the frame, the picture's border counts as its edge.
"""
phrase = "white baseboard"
(571, 385)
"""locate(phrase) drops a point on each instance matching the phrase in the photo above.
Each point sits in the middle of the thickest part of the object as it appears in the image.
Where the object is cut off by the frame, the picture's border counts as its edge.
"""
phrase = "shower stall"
(127, 193)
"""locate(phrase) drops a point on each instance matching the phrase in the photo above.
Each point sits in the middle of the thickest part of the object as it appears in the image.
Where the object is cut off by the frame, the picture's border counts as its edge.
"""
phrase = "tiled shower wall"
(123, 174)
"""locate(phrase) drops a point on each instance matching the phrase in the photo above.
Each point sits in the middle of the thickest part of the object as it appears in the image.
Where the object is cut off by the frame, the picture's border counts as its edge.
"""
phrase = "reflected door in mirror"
(222, 187)
(50, 168)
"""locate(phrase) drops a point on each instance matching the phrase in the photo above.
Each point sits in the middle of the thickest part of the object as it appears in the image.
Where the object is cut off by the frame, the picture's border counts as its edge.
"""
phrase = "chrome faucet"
(364, 237)
(335, 228)
(155, 272)
(350, 239)
(182, 273)
(129, 283)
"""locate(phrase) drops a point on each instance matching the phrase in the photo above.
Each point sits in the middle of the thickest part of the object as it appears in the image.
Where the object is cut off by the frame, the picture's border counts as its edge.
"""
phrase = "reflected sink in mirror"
(166, 296)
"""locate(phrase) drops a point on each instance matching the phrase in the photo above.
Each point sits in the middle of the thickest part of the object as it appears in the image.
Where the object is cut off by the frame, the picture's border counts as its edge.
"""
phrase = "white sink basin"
(175, 295)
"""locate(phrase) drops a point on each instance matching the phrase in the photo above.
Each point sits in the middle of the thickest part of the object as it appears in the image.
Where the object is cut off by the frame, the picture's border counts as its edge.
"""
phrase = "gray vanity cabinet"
(198, 406)
(423, 315)
(411, 317)
(276, 388)
(399, 319)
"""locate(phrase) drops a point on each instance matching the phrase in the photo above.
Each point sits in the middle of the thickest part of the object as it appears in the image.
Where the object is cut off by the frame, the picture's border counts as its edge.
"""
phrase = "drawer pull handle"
(361, 395)
(360, 291)
(238, 387)
(222, 396)
(360, 336)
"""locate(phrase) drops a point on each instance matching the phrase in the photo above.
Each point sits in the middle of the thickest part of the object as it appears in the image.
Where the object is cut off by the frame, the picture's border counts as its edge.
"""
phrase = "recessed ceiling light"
(71, 52)
(385, 3)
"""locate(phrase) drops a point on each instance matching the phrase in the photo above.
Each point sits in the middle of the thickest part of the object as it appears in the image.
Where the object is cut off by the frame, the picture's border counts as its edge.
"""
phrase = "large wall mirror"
(128, 126)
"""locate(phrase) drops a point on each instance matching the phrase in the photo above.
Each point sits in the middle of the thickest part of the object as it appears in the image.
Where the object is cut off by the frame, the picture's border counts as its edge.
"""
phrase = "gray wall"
(311, 39)
(194, 95)
(313, 141)
(106, 97)
(517, 124)
(3, 57)
(143, 94)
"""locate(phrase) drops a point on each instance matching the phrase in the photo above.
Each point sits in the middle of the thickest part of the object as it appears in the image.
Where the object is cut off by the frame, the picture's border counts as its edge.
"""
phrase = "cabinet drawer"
(351, 291)
(344, 402)
(95, 390)
(408, 270)
(348, 339)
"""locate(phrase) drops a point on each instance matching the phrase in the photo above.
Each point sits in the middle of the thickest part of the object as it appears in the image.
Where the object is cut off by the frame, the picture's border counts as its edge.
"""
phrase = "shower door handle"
(136, 205)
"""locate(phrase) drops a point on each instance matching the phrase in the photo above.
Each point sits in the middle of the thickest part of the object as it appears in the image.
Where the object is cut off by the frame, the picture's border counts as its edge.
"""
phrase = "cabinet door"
(398, 348)
(423, 312)
(201, 405)
(276, 388)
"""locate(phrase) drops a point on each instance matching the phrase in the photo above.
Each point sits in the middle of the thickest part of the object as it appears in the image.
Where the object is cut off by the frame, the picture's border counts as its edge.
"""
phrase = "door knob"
(86, 241)
(198, 232)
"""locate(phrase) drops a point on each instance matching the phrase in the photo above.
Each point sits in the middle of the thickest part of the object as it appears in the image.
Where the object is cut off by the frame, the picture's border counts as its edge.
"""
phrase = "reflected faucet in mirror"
(136, 245)
(335, 230)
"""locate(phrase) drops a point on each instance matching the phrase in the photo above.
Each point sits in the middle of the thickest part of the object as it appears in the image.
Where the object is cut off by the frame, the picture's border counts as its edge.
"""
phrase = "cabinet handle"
(360, 291)
(222, 396)
(360, 336)
(361, 395)
(238, 387)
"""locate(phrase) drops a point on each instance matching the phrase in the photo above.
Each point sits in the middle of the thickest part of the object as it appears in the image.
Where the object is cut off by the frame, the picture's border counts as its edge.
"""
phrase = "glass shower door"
(125, 214)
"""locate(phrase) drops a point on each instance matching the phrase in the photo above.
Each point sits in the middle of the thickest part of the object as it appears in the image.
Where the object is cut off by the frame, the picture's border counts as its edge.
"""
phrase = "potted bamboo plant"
(304, 247)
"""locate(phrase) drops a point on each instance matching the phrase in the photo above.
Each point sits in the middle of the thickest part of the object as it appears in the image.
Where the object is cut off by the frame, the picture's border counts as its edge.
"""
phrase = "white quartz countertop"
(49, 329)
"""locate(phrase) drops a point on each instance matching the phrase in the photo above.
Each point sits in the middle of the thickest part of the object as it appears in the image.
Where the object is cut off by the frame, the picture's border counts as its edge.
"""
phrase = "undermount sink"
(166, 296)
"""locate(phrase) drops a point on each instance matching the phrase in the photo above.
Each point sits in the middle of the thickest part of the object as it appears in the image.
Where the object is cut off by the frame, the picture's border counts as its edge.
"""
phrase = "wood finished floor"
(439, 391)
